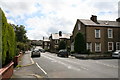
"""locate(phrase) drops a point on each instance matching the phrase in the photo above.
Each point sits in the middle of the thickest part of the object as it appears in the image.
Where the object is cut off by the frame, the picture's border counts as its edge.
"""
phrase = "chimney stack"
(60, 33)
(118, 19)
(94, 18)
(43, 38)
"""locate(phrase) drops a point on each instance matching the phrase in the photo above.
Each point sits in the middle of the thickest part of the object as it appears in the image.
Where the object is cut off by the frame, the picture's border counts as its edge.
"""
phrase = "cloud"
(43, 17)
(18, 8)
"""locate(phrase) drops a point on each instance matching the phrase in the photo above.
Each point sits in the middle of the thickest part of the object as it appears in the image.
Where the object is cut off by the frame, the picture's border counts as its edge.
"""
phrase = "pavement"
(24, 69)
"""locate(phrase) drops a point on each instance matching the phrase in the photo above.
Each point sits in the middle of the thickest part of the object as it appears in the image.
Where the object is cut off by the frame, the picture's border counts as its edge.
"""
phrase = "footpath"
(26, 69)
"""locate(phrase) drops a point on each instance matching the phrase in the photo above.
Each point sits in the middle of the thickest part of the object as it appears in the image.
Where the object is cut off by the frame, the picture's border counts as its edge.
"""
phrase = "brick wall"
(7, 71)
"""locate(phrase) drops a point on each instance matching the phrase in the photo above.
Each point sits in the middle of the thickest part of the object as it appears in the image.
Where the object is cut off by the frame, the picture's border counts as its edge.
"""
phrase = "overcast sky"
(43, 17)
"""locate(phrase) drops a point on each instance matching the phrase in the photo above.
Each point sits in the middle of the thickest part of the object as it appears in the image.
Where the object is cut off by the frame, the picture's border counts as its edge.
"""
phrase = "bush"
(48, 50)
(108, 53)
(79, 44)
(22, 46)
(62, 45)
(8, 41)
(72, 52)
(87, 52)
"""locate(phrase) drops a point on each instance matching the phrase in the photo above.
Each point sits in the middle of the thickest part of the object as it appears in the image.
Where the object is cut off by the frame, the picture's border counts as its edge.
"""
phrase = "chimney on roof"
(94, 18)
(60, 33)
(118, 19)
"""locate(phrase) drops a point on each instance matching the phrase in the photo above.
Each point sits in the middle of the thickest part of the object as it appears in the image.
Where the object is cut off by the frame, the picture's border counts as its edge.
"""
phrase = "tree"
(20, 33)
(62, 45)
(8, 40)
(21, 38)
(79, 44)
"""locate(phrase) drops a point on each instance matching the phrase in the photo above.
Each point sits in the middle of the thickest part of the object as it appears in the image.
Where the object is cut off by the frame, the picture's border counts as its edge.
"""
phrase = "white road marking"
(32, 60)
(60, 62)
(41, 68)
(107, 64)
(64, 60)
(53, 61)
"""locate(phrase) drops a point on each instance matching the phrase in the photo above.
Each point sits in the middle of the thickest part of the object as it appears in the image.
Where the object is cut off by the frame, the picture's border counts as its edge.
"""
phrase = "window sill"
(98, 51)
(97, 38)
(110, 38)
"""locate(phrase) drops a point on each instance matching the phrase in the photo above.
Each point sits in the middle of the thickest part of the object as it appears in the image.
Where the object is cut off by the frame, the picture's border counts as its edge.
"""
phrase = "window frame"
(79, 26)
(99, 33)
(109, 46)
(99, 47)
(117, 45)
(56, 41)
(111, 33)
(89, 46)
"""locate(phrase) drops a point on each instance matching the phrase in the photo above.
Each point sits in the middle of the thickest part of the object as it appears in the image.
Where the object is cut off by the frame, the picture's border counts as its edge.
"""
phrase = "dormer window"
(106, 23)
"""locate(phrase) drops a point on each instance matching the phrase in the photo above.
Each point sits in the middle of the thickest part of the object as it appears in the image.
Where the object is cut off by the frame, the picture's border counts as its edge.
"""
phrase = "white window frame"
(98, 33)
(112, 46)
(78, 26)
(45, 43)
(117, 45)
(89, 46)
(96, 47)
(111, 36)
(56, 41)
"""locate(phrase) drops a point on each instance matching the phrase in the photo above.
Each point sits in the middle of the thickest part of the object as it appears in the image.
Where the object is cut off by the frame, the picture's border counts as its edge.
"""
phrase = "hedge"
(8, 41)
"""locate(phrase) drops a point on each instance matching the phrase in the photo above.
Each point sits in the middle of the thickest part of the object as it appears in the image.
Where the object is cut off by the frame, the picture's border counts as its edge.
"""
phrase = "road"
(60, 67)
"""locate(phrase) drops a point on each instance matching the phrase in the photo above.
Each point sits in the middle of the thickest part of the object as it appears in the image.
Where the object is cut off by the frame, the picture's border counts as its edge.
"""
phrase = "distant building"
(100, 35)
(46, 43)
(55, 38)
(36, 42)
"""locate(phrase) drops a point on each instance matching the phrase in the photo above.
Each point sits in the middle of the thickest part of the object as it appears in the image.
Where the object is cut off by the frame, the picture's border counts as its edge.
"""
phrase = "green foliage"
(88, 52)
(72, 52)
(62, 45)
(8, 41)
(21, 38)
(20, 33)
(108, 53)
(79, 44)
(0, 38)
(22, 46)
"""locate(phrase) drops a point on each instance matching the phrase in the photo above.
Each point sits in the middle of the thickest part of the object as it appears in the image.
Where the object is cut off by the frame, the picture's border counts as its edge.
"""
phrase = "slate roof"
(56, 36)
(101, 23)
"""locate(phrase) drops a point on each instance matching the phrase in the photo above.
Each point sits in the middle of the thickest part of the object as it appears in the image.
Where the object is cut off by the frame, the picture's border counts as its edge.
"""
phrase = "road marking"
(32, 60)
(41, 68)
(67, 65)
(60, 62)
(74, 63)
(37, 76)
(107, 64)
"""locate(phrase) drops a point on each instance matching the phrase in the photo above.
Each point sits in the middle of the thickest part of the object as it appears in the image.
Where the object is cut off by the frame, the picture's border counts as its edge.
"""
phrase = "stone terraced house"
(100, 35)
(55, 38)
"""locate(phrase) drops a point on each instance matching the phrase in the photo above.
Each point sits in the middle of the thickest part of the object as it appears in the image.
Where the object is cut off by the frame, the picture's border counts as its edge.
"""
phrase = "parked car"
(116, 54)
(63, 53)
(35, 53)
